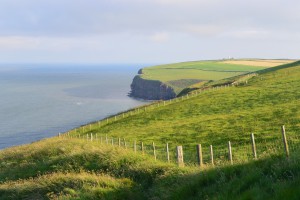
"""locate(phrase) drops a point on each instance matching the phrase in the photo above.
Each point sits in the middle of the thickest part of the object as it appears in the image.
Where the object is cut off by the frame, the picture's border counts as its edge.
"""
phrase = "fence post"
(119, 142)
(230, 152)
(125, 143)
(106, 139)
(199, 155)
(168, 154)
(134, 146)
(286, 146)
(142, 147)
(154, 153)
(91, 137)
(253, 146)
(211, 155)
(179, 153)
(59, 135)
(101, 140)
(96, 137)
(112, 141)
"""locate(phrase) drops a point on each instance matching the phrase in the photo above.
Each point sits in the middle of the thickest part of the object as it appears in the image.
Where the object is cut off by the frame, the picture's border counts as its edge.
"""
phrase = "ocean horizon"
(41, 100)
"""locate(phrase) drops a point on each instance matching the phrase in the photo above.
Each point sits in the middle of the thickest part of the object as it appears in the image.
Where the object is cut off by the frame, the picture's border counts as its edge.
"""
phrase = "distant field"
(205, 70)
(260, 63)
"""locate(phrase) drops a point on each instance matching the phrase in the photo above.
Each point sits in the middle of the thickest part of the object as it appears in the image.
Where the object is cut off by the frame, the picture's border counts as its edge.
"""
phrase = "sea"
(41, 100)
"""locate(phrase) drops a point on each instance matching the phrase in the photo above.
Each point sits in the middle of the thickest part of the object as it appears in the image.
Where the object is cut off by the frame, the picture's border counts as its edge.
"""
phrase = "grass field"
(259, 63)
(71, 168)
(216, 117)
(60, 168)
(205, 70)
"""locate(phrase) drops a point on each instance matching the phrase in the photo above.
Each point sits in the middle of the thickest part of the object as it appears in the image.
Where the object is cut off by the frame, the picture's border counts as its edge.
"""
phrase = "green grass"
(216, 117)
(179, 75)
(203, 70)
(76, 169)
(61, 168)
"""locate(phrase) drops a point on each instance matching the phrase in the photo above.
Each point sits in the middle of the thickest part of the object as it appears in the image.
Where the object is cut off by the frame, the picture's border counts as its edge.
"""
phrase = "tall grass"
(61, 168)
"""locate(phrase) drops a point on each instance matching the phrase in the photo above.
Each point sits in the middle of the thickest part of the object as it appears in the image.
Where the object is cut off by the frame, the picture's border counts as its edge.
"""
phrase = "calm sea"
(39, 101)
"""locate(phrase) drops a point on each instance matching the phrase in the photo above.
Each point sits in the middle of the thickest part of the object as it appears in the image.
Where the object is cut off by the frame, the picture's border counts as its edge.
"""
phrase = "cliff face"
(150, 89)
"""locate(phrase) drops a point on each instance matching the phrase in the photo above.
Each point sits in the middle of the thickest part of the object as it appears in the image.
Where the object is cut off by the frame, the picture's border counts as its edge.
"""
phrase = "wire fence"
(221, 154)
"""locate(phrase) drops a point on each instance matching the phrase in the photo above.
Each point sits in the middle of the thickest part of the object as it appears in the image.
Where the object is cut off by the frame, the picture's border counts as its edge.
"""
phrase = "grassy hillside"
(215, 117)
(76, 169)
(182, 75)
(73, 168)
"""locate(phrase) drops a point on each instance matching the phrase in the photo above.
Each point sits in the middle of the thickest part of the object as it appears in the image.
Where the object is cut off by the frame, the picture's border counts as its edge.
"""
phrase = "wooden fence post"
(59, 135)
(253, 146)
(230, 152)
(91, 137)
(199, 155)
(125, 145)
(286, 146)
(179, 153)
(119, 142)
(134, 146)
(112, 141)
(154, 152)
(211, 155)
(96, 137)
(168, 154)
(106, 139)
(142, 147)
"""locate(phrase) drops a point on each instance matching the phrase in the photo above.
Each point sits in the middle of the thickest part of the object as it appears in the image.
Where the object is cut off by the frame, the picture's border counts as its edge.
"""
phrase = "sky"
(147, 31)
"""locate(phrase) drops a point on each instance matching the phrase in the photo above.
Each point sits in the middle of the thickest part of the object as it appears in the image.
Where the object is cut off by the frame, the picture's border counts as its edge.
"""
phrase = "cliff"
(150, 89)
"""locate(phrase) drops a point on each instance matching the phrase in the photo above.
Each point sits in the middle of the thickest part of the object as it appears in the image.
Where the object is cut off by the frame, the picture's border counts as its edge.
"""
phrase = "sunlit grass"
(69, 167)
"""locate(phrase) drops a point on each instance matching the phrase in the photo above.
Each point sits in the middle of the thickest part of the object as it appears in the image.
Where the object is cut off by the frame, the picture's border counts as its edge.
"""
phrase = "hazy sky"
(147, 31)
